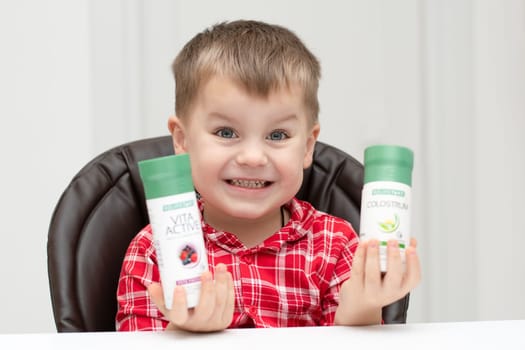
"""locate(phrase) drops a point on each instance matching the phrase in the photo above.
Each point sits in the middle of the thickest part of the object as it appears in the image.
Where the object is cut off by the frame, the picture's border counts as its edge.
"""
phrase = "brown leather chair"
(104, 207)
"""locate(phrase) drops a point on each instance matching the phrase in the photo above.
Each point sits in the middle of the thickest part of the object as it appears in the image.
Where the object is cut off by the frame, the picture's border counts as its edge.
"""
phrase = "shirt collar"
(298, 226)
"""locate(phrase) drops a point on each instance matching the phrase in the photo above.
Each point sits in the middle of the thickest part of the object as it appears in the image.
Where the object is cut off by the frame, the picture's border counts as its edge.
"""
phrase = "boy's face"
(247, 153)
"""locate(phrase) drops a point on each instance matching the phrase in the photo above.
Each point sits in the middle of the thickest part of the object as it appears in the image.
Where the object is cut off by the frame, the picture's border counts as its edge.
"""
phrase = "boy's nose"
(252, 154)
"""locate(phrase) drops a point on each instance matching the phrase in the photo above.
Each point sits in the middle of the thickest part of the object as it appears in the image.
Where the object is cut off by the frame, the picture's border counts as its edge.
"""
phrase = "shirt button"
(248, 259)
(252, 310)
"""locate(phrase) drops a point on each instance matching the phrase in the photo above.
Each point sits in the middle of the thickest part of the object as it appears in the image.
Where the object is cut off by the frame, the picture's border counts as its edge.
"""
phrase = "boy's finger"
(372, 269)
(206, 305)
(221, 287)
(413, 269)
(358, 262)
(157, 296)
(178, 314)
(224, 296)
(394, 274)
(227, 315)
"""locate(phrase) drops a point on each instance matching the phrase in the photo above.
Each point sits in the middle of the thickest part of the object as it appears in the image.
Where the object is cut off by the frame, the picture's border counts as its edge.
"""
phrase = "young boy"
(246, 105)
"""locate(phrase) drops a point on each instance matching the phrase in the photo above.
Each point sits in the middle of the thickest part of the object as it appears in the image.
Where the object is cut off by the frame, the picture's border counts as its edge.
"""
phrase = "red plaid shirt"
(291, 279)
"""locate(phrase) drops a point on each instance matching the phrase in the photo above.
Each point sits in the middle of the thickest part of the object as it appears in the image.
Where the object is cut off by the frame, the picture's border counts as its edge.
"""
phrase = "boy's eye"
(226, 133)
(277, 135)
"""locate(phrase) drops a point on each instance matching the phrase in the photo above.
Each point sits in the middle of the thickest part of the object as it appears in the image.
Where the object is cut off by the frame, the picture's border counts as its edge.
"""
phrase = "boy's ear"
(178, 134)
(310, 145)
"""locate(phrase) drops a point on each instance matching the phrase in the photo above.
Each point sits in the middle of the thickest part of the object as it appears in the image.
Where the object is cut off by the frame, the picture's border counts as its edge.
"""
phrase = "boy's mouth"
(249, 183)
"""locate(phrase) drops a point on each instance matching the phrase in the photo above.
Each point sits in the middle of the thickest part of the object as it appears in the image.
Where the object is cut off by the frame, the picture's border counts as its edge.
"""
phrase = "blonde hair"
(260, 56)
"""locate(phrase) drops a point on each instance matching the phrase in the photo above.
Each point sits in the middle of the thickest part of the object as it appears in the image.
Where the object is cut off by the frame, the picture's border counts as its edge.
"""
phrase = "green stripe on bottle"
(165, 176)
(384, 243)
(389, 163)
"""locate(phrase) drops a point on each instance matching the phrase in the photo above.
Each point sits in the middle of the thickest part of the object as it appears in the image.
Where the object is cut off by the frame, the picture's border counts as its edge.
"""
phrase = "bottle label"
(385, 215)
(179, 244)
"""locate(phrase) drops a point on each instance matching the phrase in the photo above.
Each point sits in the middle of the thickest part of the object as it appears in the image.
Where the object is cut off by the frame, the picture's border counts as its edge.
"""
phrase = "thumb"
(157, 296)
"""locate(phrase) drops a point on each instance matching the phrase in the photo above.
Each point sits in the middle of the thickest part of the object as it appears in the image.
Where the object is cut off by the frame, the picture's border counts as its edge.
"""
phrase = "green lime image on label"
(389, 225)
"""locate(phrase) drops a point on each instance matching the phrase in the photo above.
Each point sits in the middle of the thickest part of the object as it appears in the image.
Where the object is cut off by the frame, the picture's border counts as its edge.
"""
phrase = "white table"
(461, 335)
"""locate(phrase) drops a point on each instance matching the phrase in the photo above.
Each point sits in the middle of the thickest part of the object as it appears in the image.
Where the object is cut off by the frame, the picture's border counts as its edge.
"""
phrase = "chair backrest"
(103, 208)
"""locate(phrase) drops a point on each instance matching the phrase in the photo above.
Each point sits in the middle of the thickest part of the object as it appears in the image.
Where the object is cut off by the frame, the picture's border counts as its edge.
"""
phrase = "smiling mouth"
(249, 183)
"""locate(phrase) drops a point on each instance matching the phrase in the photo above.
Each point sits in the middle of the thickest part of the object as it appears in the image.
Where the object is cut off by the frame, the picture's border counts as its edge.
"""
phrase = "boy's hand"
(364, 294)
(214, 312)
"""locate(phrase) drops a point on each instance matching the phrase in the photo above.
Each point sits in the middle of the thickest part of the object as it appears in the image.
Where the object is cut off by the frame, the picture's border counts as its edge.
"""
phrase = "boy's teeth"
(248, 183)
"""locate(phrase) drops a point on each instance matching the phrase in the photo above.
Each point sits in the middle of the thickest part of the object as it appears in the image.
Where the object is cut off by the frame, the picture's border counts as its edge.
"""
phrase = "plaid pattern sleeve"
(136, 311)
(291, 279)
(341, 273)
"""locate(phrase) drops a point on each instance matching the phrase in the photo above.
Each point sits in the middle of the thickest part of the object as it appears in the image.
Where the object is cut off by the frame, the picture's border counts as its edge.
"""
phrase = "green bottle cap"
(389, 163)
(165, 176)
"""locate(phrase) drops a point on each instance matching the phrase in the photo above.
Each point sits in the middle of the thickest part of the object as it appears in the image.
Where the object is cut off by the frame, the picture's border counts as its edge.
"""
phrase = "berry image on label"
(188, 255)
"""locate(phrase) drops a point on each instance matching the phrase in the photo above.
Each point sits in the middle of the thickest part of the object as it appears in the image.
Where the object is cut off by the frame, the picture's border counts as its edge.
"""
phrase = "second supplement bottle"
(176, 224)
(387, 196)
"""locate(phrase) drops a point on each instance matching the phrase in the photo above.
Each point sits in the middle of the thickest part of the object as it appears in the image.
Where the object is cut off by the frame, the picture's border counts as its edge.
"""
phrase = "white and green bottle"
(386, 199)
(176, 224)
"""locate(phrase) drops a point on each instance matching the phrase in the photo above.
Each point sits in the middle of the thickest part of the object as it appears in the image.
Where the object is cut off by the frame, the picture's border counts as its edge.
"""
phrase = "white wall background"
(444, 77)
